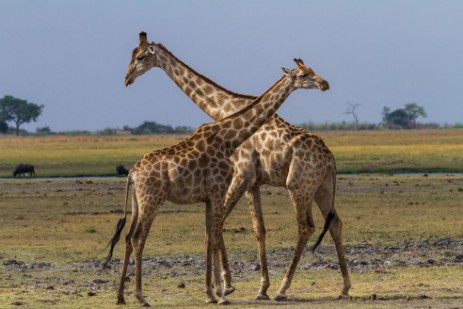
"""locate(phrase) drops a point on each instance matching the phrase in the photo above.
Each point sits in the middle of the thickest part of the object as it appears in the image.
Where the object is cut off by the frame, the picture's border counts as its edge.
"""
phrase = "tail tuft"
(115, 240)
(329, 218)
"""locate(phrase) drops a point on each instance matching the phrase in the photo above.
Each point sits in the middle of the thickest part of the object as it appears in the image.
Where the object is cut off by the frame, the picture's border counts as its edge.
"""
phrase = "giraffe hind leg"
(306, 228)
(138, 242)
(148, 209)
(325, 200)
(128, 253)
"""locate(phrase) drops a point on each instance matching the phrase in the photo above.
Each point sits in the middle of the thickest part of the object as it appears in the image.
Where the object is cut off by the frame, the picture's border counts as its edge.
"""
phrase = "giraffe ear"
(151, 49)
(286, 70)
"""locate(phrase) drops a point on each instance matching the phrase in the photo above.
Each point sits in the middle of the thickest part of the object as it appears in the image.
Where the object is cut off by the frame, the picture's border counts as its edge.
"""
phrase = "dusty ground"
(418, 268)
(363, 259)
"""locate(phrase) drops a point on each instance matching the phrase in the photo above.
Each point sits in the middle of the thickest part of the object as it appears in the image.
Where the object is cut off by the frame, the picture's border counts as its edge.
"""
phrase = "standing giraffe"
(278, 154)
(198, 170)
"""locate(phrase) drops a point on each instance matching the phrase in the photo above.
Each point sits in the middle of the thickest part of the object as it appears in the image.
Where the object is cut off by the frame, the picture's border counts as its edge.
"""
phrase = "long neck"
(236, 128)
(213, 99)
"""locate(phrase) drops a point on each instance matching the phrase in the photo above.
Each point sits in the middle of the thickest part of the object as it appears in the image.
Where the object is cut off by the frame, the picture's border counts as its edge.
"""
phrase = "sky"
(72, 56)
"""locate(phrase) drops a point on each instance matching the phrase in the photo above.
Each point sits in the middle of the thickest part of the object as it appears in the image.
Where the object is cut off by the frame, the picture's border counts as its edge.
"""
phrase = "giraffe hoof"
(344, 297)
(280, 297)
(120, 300)
(145, 304)
(262, 297)
(229, 290)
(211, 301)
(224, 302)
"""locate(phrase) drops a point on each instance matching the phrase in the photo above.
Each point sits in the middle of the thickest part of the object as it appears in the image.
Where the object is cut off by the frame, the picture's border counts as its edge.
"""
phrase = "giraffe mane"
(235, 94)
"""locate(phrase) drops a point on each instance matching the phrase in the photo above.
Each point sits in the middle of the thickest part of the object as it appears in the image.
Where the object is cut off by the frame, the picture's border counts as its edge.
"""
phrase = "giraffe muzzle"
(323, 85)
(128, 80)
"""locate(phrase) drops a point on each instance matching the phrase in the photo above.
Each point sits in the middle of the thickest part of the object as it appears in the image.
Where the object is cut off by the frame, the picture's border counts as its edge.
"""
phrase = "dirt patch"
(361, 258)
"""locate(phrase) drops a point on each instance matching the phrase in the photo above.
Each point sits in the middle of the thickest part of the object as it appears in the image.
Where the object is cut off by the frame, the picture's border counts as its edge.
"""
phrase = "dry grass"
(67, 222)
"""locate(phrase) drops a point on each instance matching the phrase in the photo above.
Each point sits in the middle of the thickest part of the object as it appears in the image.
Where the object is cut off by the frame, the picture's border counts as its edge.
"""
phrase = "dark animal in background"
(121, 170)
(24, 170)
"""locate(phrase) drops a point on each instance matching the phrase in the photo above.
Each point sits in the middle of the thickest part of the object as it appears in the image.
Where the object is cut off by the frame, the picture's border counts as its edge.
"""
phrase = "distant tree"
(3, 126)
(183, 129)
(18, 111)
(398, 119)
(385, 112)
(43, 131)
(351, 110)
(414, 111)
(151, 127)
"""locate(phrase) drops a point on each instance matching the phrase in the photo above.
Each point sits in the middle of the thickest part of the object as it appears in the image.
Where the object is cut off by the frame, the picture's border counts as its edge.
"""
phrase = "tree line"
(17, 112)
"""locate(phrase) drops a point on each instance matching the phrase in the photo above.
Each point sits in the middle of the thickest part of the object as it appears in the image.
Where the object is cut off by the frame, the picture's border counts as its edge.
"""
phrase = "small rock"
(17, 303)
(99, 281)
(181, 285)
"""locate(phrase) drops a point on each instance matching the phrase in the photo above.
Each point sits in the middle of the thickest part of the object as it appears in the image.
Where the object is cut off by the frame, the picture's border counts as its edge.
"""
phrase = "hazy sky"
(71, 56)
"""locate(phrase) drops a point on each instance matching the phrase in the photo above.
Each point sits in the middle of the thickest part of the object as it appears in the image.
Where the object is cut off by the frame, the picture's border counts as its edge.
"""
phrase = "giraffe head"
(305, 77)
(144, 57)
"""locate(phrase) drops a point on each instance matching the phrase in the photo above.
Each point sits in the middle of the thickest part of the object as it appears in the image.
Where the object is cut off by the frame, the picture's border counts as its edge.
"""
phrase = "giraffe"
(278, 154)
(198, 170)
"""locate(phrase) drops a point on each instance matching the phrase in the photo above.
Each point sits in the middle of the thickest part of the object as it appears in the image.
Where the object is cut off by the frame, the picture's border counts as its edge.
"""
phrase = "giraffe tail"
(329, 218)
(331, 214)
(120, 225)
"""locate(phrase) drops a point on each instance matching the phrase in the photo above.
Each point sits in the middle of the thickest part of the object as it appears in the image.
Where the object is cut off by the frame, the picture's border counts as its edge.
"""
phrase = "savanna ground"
(403, 232)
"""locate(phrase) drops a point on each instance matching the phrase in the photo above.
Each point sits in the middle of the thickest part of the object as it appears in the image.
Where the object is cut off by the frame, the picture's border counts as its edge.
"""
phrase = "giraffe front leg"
(219, 291)
(226, 273)
(235, 191)
(217, 246)
(210, 298)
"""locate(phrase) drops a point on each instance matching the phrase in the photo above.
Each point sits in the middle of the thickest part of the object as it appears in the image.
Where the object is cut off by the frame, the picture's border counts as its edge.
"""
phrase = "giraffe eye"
(303, 75)
(140, 58)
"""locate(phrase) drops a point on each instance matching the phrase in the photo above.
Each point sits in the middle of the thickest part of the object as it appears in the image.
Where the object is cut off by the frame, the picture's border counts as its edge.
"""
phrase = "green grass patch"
(355, 151)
